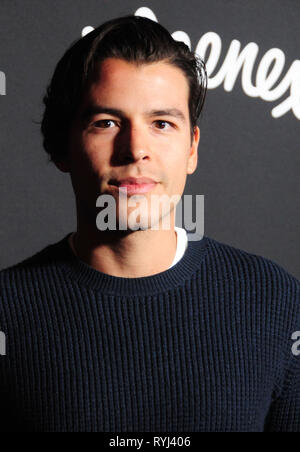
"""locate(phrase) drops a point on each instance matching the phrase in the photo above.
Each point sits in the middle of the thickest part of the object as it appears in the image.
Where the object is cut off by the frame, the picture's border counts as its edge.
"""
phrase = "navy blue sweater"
(203, 346)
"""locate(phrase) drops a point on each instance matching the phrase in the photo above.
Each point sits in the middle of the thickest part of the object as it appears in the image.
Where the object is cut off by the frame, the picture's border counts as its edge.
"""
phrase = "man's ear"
(63, 165)
(193, 155)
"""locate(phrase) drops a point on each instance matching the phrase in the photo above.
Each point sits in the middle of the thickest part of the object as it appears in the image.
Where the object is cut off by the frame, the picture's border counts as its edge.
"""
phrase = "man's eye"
(104, 123)
(162, 124)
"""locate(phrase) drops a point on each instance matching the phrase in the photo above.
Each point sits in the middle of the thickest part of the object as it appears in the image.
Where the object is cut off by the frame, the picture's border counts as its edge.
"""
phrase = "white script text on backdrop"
(236, 61)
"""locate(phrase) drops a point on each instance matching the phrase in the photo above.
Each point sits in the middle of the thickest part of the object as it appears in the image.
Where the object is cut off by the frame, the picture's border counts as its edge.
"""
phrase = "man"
(136, 329)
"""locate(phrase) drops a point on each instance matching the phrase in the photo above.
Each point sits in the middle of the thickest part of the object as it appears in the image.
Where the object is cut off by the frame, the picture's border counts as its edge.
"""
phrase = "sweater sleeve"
(284, 413)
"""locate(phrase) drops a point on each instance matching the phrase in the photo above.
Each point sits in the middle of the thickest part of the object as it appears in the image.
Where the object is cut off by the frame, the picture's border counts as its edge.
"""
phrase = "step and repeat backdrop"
(248, 166)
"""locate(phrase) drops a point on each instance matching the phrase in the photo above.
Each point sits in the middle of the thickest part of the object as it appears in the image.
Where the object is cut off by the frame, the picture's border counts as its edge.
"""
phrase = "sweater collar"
(78, 271)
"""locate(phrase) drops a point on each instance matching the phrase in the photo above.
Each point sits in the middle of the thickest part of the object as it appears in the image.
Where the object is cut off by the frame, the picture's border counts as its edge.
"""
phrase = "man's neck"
(127, 254)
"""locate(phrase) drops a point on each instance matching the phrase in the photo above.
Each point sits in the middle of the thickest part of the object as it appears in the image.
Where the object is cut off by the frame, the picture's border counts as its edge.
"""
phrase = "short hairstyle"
(132, 38)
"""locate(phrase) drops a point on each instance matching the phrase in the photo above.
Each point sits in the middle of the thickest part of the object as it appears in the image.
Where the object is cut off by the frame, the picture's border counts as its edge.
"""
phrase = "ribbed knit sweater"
(203, 346)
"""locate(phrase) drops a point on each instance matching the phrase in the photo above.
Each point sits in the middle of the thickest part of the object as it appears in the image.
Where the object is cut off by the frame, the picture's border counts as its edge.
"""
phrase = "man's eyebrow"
(175, 112)
(98, 109)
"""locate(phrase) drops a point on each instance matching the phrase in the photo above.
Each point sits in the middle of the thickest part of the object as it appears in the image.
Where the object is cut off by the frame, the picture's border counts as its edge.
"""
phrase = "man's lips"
(133, 181)
(135, 184)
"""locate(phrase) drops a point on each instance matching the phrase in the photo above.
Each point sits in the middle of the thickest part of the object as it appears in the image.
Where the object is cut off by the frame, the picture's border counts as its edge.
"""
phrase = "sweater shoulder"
(239, 264)
(31, 266)
(254, 272)
(229, 255)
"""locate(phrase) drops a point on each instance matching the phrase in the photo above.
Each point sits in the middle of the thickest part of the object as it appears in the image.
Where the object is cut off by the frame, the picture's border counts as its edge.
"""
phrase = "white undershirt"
(182, 243)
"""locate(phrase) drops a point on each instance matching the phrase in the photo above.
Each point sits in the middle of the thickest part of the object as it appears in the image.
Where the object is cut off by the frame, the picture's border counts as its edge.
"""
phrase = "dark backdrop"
(248, 166)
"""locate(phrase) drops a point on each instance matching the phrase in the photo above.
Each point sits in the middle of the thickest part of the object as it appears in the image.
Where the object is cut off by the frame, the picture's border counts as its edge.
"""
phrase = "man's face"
(133, 122)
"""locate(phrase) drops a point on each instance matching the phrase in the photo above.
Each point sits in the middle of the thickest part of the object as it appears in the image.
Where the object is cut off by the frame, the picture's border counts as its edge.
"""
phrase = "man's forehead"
(159, 72)
(113, 92)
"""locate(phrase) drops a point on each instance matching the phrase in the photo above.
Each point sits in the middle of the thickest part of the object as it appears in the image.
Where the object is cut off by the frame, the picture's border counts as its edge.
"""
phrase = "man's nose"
(135, 143)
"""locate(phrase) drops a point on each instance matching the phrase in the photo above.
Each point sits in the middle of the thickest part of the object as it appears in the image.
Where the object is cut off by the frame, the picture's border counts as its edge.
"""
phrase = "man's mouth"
(134, 185)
